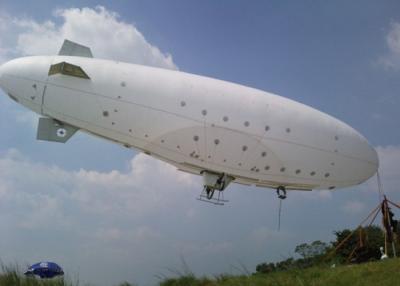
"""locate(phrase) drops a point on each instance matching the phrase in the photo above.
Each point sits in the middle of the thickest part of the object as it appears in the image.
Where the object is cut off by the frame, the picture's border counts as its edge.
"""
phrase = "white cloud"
(325, 195)
(150, 186)
(392, 59)
(354, 207)
(197, 248)
(377, 116)
(28, 117)
(7, 37)
(389, 169)
(3, 57)
(264, 234)
(389, 158)
(140, 234)
(101, 29)
(393, 38)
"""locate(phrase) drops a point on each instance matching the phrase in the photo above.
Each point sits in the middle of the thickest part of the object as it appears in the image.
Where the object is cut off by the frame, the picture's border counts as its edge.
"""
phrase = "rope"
(279, 215)
(380, 187)
(358, 245)
(392, 203)
(373, 219)
(351, 254)
(384, 207)
(374, 212)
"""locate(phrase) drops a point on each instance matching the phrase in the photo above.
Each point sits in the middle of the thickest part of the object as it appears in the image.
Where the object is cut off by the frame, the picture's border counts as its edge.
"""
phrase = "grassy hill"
(379, 273)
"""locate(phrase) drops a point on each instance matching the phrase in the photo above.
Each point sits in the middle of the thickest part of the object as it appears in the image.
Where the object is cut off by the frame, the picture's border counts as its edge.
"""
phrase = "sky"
(109, 214)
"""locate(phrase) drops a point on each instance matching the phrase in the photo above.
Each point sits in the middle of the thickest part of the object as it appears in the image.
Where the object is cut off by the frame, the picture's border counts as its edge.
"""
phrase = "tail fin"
(70, 48)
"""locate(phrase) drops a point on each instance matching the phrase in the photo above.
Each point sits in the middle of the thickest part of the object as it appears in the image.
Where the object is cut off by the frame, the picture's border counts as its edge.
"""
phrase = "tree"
(364, 244)
(284, 264)
(316, 248)
(265, 267)
(126, 284)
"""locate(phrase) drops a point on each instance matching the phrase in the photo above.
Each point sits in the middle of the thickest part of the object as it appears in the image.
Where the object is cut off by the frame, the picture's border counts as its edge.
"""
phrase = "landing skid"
(213, 182)
(207, 195)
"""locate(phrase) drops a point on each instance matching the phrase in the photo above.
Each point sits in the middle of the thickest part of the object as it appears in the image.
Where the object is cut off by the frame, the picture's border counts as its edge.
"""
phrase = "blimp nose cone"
(3, 71)
(368, 155)
(374, 157)
(357, 158)
(367, 151)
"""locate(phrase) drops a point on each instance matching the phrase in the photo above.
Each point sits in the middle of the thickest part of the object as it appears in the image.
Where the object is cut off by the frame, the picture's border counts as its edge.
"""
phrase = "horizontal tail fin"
(55, 131)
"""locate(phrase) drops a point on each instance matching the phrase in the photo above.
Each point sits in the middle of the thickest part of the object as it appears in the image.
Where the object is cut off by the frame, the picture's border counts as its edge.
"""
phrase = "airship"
(45, 270)
(222, 131)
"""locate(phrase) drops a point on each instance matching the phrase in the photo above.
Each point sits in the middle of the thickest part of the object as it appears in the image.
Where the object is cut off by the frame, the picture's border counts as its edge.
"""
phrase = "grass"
(12, 276)
(382, 273)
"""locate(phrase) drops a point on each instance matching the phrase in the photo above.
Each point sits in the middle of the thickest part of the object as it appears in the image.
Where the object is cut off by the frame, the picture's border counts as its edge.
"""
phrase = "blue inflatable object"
(45, 270)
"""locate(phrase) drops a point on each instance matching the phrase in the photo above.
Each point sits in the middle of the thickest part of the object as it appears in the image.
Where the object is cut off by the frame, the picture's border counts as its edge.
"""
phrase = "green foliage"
(365, 242)
(310, 256)
(362, 245)
(265, 267)
(125, 283)
(187, 280)
(12, 276)
(313, 249)
(382, 273)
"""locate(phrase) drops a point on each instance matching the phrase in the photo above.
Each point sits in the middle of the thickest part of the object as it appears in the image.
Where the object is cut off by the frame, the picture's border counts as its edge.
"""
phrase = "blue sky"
(341, 57)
